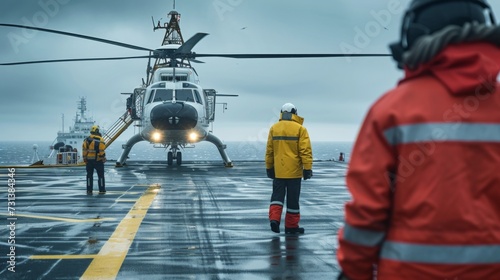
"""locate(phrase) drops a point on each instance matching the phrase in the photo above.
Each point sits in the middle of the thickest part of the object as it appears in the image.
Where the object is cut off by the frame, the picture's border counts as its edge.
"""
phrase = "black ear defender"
(397, 51)
(398, 48)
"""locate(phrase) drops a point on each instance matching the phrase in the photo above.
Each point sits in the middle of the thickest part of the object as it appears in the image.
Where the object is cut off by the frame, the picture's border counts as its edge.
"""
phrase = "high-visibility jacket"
(93, 148)
(424, 174)
(289, 148)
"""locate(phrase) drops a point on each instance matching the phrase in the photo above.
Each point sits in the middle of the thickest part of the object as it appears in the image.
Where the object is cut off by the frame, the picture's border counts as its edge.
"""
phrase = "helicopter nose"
(174, 116)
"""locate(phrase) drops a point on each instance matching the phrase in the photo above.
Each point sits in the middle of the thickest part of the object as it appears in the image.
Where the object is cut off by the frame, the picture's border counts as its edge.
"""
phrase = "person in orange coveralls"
(424, 171)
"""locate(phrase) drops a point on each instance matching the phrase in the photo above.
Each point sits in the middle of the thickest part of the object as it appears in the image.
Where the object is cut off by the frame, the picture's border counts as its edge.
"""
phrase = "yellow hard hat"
(94, 129)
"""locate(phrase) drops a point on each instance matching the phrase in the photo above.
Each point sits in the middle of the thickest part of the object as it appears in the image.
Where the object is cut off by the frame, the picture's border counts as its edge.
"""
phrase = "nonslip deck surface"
(196, 221)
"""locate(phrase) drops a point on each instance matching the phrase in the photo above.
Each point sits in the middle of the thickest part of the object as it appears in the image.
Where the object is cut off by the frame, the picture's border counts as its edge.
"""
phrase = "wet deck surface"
(196, 221)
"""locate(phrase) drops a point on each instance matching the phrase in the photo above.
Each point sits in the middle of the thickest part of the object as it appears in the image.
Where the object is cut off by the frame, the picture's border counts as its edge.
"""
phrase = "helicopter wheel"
(170, 158)
(179, 158)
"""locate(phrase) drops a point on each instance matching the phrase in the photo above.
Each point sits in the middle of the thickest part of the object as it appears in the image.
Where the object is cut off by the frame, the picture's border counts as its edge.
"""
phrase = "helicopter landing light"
(193, 136)
(156, 137)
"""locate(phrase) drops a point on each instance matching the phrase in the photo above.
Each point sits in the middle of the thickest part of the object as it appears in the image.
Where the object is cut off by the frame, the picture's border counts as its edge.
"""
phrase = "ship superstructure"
(66, 148)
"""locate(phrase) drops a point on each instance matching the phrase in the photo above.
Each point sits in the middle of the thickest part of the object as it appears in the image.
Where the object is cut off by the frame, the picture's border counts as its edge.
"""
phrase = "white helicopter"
(171, 108)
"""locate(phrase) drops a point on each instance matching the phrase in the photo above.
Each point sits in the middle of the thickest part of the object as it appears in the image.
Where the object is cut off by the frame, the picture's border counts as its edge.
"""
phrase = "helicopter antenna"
(173, 36)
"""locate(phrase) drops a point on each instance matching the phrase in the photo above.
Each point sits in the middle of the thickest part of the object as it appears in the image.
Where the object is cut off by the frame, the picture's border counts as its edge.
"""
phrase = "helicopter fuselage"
(174, 113)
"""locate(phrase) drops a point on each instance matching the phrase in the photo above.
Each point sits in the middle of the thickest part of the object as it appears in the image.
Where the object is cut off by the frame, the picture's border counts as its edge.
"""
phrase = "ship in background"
(80, 129)
(66, 148)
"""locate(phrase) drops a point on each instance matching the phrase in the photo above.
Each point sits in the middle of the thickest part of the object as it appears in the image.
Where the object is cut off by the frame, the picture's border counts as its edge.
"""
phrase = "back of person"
(94, 148)
(94, 156)
(288, 159)
(287, 153)
(424, 170)
(446, 180)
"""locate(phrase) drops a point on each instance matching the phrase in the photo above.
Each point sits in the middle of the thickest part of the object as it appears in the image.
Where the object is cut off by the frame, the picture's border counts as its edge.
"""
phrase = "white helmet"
(289, 108)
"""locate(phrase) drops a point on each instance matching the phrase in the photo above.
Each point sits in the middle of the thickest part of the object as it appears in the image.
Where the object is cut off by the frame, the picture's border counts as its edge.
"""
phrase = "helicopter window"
(169, 78)
(197, 96)
(162, 95)
(150, 99)
(184, 95)
(158, 85)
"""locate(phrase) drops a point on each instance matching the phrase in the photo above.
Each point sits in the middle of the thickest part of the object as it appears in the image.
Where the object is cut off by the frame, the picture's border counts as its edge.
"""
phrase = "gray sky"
(332, 94)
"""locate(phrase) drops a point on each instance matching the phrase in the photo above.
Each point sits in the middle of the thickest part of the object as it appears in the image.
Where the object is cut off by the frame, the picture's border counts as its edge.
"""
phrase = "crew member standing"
(93, 152)
(423, 173)
(288, 160)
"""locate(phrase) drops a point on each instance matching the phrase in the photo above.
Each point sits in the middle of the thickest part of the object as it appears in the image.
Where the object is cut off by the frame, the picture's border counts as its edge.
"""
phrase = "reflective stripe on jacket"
(288, 147)
(93, 148)
(424, 175)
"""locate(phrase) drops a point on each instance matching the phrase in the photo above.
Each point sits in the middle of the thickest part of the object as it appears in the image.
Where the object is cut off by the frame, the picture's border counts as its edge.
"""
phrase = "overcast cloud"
(332, 94)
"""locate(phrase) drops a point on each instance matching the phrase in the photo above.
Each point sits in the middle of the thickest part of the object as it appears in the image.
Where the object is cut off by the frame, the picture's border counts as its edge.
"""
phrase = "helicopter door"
(210, 104)
(135, 103)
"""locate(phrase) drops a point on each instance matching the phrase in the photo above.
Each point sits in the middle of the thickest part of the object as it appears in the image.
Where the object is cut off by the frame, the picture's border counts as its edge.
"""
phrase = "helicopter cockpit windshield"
(170, 78)
(186, 95)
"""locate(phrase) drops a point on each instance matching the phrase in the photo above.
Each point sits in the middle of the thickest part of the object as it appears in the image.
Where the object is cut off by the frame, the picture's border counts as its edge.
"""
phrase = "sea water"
(24, 152)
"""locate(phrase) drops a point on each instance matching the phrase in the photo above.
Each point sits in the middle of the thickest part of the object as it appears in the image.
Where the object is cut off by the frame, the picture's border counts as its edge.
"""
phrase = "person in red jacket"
(423, 173)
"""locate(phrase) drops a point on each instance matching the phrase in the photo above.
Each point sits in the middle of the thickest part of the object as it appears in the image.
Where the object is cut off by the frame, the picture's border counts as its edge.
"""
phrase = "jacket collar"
(95, 136)
(291, 117)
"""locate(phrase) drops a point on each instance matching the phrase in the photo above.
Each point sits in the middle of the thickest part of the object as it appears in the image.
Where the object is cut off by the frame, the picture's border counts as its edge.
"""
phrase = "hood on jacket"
(291, 117)
(463, 68)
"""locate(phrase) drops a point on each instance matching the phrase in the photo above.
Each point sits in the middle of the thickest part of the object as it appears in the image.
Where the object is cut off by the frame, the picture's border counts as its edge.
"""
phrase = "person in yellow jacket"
(94, 156)
(288, 160)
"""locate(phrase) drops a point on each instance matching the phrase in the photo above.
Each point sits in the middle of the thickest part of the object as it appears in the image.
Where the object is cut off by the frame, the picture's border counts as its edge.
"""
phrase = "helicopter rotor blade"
(72, 59)
(78, 36)
(196, 61)
(287, 55)
(189, 44)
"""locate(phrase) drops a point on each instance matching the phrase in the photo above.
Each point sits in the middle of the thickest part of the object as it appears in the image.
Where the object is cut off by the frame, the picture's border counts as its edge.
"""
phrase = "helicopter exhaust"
(175, 116)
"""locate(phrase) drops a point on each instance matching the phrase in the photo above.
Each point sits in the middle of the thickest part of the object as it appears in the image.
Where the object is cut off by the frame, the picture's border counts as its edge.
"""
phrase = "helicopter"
(171, 108)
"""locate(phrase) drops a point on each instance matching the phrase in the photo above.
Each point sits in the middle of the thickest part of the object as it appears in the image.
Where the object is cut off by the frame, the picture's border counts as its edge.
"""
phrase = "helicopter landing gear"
(174, 154)
(221, 147)
(170, 158)
(126, 149)
(179, 158)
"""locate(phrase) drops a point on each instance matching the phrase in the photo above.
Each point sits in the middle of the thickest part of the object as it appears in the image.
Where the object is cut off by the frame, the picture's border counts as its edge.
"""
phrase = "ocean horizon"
(23, 152)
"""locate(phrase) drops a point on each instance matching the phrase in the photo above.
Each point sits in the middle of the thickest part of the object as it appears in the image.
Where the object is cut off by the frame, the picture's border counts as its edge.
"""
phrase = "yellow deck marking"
(108, 261)
(59, 257)
(61, 219)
